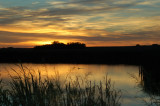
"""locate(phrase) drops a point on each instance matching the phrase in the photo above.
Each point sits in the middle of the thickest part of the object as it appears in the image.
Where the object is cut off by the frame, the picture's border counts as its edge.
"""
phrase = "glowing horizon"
(95, 23)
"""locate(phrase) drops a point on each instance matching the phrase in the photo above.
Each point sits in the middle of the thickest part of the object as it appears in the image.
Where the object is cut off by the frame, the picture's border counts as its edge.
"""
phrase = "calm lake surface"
(124, 77)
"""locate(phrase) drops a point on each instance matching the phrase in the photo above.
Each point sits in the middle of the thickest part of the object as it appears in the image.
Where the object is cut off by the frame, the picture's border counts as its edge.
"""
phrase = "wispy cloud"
(81, 20)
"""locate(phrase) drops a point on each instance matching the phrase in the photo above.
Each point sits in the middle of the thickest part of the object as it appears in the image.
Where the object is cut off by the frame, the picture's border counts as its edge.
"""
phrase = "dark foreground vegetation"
(150, 83)
(150, 79)
(27, 88)
(78, 53)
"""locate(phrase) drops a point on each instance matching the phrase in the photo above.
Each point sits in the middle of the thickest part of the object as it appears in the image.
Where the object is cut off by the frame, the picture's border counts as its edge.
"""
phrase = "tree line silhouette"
(59, 45)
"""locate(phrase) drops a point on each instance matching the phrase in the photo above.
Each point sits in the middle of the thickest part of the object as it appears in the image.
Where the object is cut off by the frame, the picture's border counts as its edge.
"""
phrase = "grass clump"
(4, 95)
(30, 89)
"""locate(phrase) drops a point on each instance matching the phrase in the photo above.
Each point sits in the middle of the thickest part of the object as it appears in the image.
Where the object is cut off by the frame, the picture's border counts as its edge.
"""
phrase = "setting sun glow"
(94, 22)
(44, 42)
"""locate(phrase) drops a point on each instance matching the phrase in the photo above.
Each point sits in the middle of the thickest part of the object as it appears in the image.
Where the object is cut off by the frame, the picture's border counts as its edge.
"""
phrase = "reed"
(4, 95)
(29, 89)
(149, 83)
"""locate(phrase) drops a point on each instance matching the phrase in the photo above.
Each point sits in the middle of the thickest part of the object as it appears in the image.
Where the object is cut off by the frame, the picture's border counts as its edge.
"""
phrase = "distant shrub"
(59, 45)
(155, 45)
(76, 45)
(138, 45)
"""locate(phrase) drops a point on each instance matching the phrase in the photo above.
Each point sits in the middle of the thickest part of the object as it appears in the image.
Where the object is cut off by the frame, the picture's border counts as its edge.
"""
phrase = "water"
(124, 77)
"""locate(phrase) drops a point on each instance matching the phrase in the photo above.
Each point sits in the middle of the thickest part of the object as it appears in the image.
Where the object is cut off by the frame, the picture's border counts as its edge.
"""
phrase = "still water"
(124, 77)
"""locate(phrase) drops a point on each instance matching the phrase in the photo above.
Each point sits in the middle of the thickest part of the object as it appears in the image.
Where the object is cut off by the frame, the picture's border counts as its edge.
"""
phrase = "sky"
(26, 23)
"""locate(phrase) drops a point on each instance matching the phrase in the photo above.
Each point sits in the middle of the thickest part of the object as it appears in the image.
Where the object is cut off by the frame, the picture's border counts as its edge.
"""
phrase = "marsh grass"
(4, 95)
(30, 89)
(147, 84)
(152, 100)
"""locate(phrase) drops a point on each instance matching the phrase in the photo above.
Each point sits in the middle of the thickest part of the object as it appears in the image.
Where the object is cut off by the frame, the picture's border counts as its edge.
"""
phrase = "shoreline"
(89, 55)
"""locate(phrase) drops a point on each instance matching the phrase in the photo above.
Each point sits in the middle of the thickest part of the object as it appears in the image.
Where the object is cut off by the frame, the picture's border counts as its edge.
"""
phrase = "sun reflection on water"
(119, 75)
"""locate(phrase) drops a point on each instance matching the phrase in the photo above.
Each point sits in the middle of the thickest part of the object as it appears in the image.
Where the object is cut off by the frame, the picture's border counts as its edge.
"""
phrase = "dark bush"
(59, 45)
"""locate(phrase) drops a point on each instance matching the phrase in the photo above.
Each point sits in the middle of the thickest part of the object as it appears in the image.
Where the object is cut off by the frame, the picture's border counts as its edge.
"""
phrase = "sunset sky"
(26, 23)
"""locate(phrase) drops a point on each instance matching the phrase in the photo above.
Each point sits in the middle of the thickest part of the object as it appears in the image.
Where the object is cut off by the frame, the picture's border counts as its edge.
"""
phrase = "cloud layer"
(95, 22)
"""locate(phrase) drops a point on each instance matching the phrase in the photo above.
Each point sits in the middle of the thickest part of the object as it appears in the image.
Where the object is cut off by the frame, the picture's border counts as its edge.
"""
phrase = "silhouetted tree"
(155, 45)
(76, 45)
(59, 45)
(138, 45)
